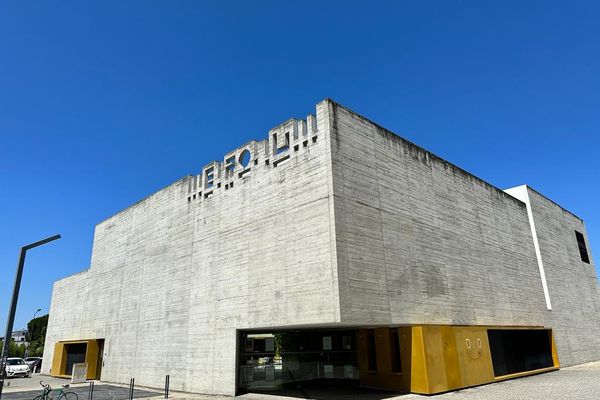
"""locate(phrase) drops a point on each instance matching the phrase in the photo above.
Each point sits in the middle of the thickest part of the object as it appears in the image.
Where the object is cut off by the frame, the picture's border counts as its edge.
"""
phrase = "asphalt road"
(101, 392)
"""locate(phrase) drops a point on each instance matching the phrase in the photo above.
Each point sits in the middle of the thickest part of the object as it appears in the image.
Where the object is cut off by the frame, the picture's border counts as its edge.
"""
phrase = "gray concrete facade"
(330, 221)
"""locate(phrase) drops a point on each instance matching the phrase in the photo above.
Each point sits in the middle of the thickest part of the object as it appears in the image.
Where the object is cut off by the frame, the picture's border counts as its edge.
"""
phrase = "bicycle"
(59, 394)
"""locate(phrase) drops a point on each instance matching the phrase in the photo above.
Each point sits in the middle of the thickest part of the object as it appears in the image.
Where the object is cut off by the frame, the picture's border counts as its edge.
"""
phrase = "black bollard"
(91, 391)
(131, 385)
(167, 379)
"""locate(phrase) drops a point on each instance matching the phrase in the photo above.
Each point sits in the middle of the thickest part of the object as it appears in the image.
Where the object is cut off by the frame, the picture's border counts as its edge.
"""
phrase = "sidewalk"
(581, 382)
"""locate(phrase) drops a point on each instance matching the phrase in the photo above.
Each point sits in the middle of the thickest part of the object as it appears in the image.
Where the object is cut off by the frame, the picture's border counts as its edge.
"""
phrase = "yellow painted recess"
(453, 375)
(554, 351)
(418, 367)
(91, 358)
(59, 360)
(436, 358)
(474, 356)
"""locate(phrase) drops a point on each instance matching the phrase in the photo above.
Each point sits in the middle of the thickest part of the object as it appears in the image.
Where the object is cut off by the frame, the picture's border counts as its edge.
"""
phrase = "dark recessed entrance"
(281, 360)
(334, 363)
(520, 350)
(67, 353)
(75, 354)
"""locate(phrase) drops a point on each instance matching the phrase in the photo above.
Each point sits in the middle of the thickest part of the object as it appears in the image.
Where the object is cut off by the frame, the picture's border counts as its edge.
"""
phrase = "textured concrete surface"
(421, 241)
(173, 276)
(333, 221)
(572, 283)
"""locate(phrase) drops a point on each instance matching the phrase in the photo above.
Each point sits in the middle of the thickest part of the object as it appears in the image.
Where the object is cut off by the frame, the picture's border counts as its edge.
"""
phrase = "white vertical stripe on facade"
(521, 193)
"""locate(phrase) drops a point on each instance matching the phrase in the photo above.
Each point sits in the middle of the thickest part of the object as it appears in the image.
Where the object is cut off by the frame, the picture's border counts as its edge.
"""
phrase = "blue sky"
(103, 103)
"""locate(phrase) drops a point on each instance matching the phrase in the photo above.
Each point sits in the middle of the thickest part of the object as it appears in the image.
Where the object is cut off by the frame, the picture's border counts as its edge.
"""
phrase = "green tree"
(36, 335)
(14, 350)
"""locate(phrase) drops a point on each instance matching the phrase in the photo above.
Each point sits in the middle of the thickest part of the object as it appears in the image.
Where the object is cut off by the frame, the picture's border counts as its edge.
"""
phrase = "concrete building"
(333, 250)
(19, 337)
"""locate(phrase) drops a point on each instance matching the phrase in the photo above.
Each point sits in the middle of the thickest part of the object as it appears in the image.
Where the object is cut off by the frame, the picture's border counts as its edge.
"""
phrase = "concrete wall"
(422, 241)
(572, 284)
(334, 221)
(175, 275)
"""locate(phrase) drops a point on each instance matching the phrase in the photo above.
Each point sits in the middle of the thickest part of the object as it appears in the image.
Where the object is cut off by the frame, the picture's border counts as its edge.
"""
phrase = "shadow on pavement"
(101, 392)
(320, 391)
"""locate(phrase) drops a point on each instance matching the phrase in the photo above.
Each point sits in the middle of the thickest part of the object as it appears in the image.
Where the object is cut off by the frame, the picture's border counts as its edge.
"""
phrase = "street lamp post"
(33, 325)
(13, 305)
(31, 334)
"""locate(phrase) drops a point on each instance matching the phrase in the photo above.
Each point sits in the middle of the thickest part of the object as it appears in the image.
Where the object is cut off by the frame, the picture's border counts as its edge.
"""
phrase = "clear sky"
(103, 103)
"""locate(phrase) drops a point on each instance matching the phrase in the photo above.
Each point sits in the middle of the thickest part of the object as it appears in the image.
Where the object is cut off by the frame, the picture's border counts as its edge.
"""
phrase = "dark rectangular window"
(395, 350)
(371, 352)
(582, 249)
(75, 354)
(520, 350)
(347, 342)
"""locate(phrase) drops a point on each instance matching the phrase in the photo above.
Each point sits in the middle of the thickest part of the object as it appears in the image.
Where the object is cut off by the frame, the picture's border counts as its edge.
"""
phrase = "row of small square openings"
(208, 194)
(230, 184)
(296, 148)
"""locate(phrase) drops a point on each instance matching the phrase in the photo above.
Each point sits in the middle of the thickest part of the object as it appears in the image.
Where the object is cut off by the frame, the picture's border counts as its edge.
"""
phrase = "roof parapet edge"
(553, 202)
(144, 199)
(429, 153)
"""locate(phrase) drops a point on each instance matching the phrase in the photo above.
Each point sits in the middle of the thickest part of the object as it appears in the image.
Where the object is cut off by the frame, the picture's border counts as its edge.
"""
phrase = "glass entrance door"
(272, 360)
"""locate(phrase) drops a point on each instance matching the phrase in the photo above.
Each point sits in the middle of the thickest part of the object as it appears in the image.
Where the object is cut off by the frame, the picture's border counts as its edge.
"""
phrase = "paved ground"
(28, 388)
(581, 382)
(33, 383)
